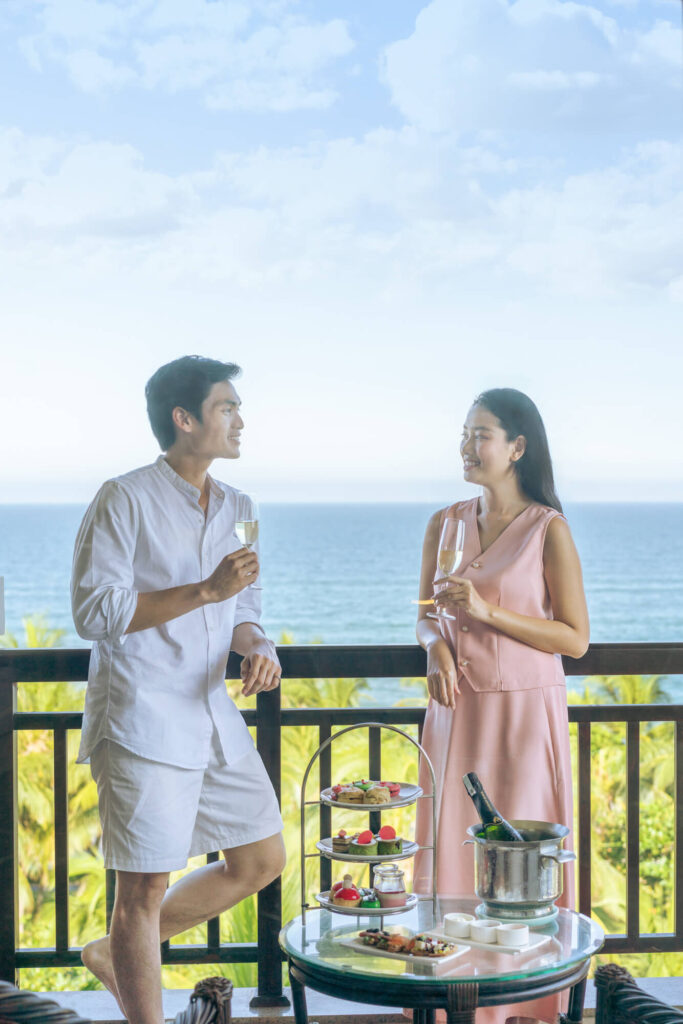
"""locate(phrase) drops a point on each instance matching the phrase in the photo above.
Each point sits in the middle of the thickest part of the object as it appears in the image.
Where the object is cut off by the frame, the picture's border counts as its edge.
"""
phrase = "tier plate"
(409, 850)
(324, 900)
(408, 794)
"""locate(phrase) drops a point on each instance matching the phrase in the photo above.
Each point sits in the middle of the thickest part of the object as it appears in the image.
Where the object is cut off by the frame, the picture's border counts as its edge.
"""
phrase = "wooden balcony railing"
(270, 719)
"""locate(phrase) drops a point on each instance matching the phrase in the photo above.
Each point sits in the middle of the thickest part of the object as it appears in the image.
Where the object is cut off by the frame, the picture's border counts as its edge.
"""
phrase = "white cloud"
(554, 80)
(261, 56)
(396, 210)
(543, 66)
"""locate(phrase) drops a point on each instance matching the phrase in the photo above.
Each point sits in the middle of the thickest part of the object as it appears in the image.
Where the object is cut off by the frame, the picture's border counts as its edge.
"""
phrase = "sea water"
(346, 573)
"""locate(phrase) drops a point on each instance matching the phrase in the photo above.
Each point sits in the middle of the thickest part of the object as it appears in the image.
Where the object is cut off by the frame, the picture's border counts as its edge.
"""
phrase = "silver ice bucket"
(520, 880)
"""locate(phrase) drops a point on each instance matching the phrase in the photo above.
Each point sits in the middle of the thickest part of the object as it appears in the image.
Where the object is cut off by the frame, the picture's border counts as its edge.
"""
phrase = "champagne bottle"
(494, 826)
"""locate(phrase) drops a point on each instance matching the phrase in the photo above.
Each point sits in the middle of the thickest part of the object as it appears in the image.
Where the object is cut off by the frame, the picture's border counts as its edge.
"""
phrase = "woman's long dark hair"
(518, 415)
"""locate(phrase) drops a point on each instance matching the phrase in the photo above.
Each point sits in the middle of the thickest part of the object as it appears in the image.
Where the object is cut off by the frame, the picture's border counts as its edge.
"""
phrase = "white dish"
(510, 934)
(458, 925)
(535, 940)
(408, 794)
(359, 946)
(325, 847)
(484, 931)
(324, 900)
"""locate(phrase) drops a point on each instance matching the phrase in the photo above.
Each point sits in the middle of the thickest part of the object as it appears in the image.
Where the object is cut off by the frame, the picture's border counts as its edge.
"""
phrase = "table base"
(459, 1000)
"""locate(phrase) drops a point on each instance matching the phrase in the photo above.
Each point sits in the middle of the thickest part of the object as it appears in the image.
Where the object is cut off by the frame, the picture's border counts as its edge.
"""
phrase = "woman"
(497, 691)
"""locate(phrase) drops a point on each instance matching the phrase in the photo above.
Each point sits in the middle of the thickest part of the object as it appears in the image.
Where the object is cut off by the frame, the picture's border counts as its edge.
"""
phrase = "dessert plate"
(495, 947)
(359, 946)
(408, 794)
(324, 900)
(409, 850)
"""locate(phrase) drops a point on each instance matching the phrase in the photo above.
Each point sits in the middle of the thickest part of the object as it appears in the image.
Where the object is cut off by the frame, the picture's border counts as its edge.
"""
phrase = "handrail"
(269, 718)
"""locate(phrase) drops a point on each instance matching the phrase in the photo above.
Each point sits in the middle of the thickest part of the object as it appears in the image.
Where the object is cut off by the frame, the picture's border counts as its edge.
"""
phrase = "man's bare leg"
(204, 893)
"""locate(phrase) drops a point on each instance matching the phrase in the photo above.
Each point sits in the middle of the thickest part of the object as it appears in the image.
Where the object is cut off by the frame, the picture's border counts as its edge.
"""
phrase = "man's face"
(218, 435)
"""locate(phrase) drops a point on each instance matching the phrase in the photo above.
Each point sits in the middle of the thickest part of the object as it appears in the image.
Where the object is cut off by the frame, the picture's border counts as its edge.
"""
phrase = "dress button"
(465, 629)
(476, 565)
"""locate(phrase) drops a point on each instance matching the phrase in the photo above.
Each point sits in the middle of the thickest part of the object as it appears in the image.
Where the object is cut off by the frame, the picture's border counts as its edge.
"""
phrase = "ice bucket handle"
(561, 857)
(468, 842)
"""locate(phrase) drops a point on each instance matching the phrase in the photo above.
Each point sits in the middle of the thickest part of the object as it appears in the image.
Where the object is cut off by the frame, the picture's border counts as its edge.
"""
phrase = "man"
(162, 586)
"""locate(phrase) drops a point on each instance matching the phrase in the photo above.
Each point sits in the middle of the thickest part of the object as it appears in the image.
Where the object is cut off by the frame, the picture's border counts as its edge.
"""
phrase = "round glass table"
(318, 956)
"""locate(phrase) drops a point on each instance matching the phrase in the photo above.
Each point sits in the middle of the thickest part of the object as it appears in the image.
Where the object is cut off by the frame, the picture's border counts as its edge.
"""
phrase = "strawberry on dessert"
(388, 842)
(364, 845)
(338, 788)
(340, 842)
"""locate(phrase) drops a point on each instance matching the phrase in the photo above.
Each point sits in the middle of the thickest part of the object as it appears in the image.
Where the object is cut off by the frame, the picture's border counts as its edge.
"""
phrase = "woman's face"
(488, 457)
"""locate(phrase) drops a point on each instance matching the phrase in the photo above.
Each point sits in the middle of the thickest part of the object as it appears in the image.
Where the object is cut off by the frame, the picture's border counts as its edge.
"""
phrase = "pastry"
(377, 795)
(393, 787)
(364, 845)
(388, 842)
(340, 842)
(345, 894)
(428, 945)
(391, 941)
(350, 795)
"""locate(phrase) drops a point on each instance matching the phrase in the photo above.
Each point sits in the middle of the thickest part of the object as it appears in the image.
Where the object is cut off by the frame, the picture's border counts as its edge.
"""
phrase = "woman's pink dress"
(510, 722)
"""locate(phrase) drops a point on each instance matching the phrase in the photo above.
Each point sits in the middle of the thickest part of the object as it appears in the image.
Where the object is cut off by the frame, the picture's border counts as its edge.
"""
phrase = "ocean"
(346, 573)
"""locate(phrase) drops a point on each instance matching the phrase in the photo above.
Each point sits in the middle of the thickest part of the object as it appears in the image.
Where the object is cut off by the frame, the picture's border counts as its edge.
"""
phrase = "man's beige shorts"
(155, 816)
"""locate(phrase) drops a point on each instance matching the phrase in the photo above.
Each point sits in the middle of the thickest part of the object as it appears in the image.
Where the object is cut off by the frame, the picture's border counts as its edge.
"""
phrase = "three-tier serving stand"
(408, 794)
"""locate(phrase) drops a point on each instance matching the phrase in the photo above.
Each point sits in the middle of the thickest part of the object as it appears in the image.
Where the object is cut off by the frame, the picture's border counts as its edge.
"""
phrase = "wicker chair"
(19, 1007)
(210, 1003)
(620, 1001)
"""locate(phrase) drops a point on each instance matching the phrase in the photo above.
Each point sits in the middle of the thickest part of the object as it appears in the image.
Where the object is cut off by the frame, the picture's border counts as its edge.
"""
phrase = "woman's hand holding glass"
(461, 593)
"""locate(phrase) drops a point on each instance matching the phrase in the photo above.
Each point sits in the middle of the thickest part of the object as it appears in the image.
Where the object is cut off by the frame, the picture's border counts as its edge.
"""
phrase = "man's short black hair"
(185, 382)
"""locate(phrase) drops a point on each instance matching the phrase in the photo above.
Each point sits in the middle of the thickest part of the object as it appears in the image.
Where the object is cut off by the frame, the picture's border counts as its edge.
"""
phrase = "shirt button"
(476, 565)
(465, 629)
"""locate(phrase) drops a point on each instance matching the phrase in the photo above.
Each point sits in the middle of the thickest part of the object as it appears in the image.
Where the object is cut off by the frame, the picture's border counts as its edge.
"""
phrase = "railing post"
(268, 744)
(9, 860)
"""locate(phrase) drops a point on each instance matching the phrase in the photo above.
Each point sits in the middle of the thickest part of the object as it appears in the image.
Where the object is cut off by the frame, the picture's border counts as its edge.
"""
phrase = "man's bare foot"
(97, 958)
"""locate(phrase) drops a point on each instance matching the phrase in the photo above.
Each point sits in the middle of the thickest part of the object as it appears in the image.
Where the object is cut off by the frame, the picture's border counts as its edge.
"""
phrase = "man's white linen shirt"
(159, 692)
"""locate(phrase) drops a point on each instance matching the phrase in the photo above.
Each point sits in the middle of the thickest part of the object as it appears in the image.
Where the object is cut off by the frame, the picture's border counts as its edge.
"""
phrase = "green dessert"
(364, 784)
(364, 845)
(388, 842)
(370, 901)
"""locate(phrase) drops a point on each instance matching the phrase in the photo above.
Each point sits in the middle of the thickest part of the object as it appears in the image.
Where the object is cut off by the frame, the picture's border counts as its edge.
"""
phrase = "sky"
(377, 209)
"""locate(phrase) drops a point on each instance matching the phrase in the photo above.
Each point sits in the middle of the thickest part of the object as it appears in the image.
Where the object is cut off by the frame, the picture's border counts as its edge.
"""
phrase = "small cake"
(341, 842)
(393, 787)
(345, 894)
(370, 901)
(377, 795)
(388, 842)
(365, 845)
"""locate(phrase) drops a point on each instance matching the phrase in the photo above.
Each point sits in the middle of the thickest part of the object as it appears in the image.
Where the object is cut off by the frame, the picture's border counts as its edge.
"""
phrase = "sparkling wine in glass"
(449, 556)
(246, 527)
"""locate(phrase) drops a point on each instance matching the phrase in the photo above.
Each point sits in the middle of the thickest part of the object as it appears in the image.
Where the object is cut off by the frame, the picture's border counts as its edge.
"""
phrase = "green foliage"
(349, 759)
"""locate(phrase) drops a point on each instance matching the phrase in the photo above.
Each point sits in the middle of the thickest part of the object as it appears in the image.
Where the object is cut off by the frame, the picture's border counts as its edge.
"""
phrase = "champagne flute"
(246, 527)
(449, 557)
